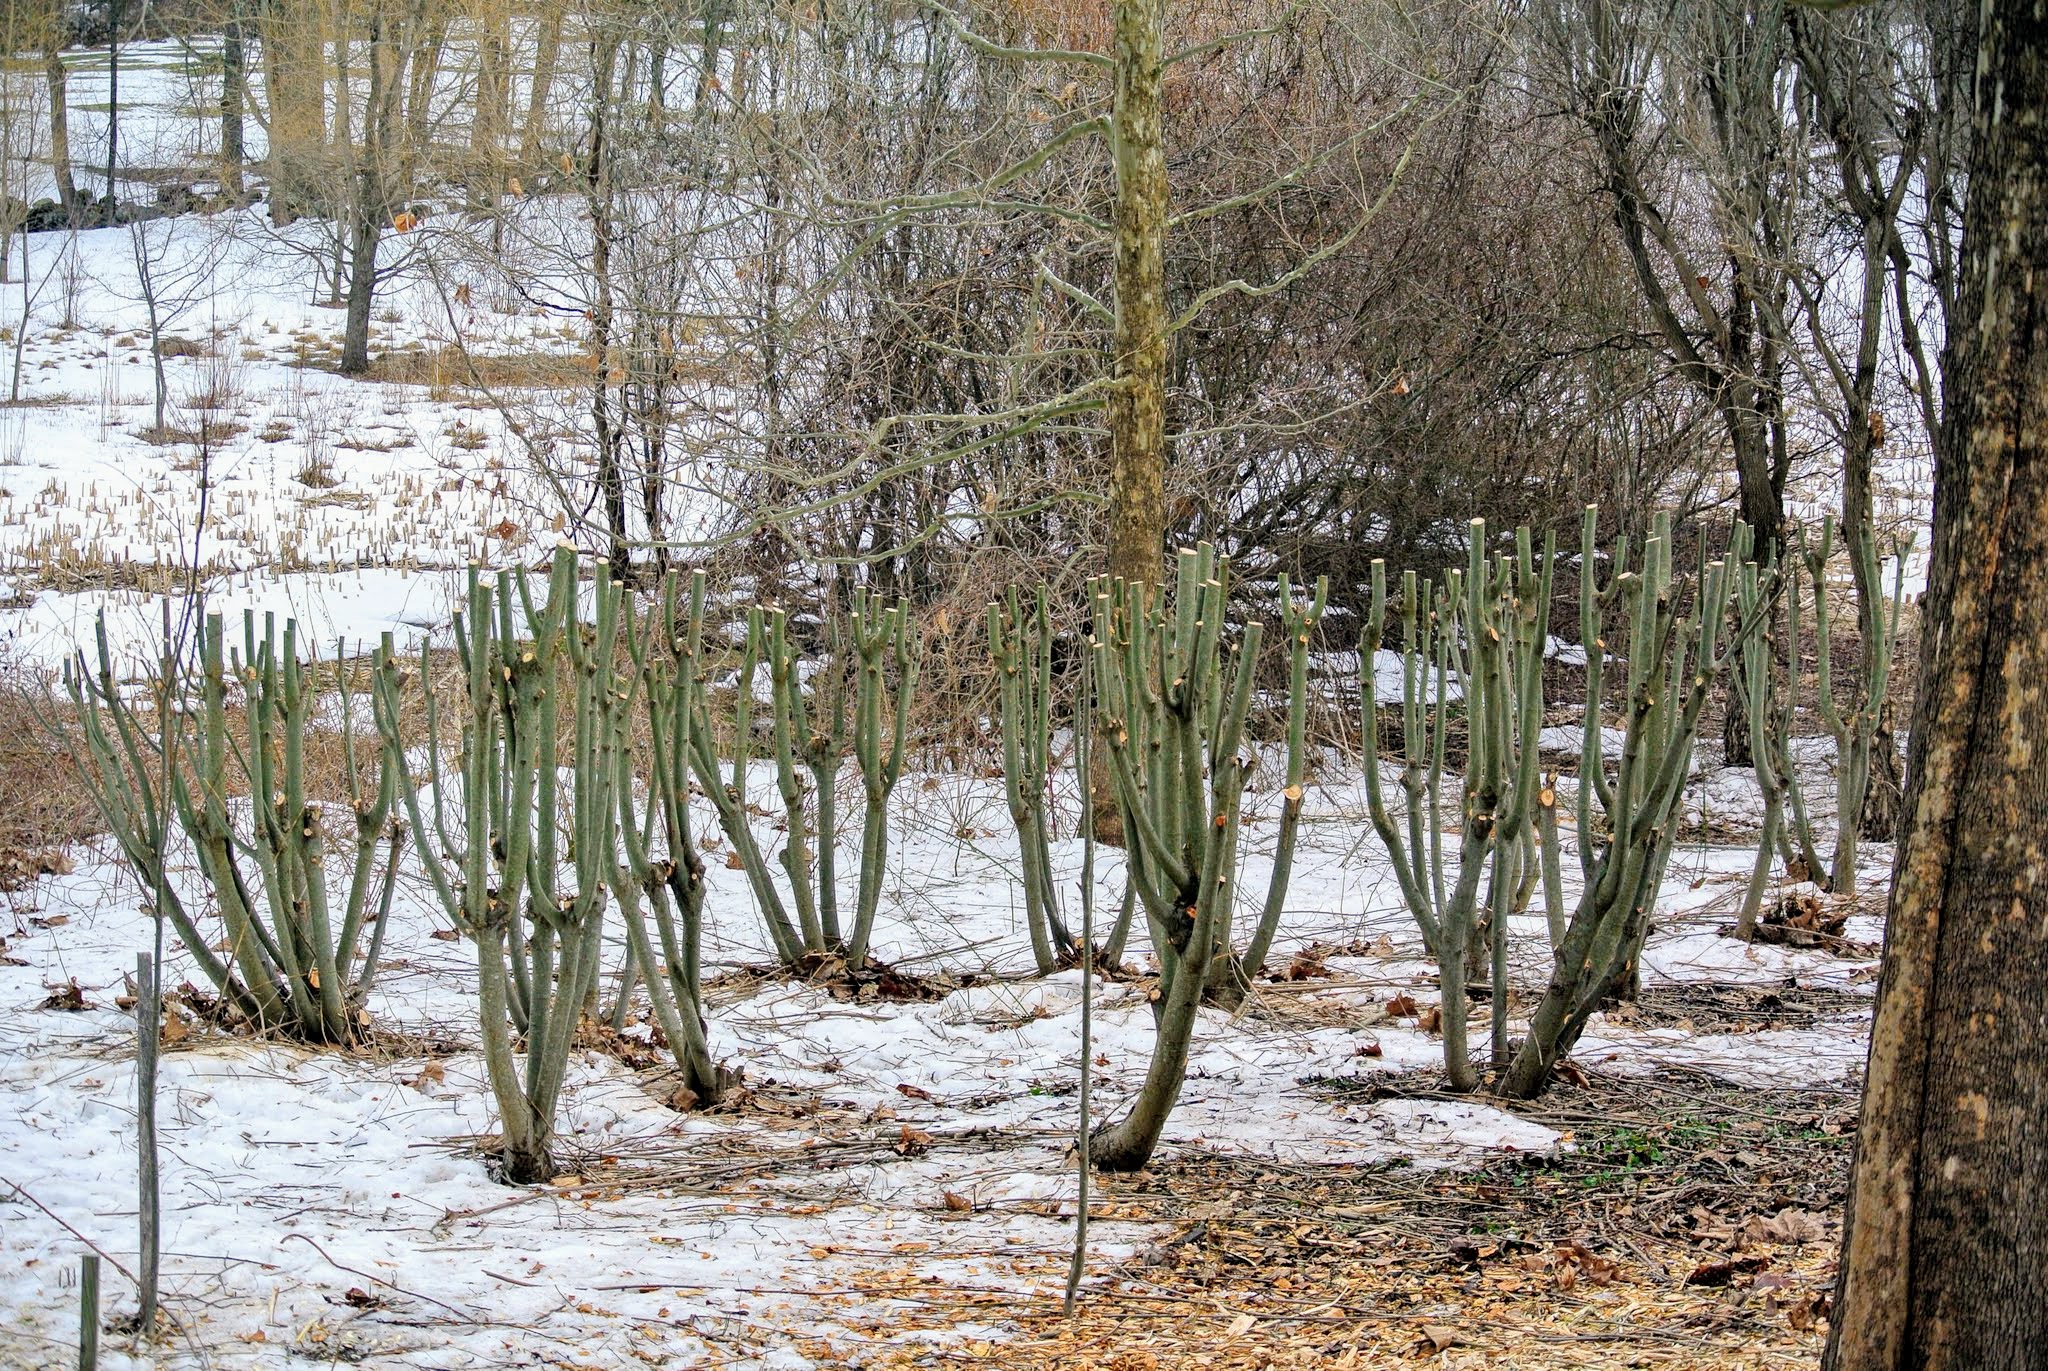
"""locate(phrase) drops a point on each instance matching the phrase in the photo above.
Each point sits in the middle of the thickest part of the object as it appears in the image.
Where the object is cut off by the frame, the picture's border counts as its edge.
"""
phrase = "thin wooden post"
(89, 1312)
(1084, 725)
(147, 1020)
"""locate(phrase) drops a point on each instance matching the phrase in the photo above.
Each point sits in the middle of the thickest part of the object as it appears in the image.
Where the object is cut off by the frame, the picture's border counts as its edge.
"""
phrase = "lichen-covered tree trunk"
(1945, 1238)
(1137, 406)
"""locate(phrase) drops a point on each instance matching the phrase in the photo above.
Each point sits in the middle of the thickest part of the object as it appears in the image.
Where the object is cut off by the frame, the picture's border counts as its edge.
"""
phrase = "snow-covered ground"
(877, 1135)
(341, 500)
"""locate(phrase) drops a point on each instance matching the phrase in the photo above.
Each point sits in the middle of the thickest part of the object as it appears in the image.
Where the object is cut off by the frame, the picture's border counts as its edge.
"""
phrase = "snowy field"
(342, 501)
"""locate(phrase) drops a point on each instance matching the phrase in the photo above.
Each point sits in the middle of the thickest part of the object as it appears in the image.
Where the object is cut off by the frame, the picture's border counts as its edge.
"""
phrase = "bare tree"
(1681, 108)
(234, 99)
(58, 79)
(1881, 149)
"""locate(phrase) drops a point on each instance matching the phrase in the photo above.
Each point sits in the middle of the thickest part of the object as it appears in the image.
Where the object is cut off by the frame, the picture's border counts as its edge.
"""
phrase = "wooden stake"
(147, 1020)
(1084, 726)
(89, 1312)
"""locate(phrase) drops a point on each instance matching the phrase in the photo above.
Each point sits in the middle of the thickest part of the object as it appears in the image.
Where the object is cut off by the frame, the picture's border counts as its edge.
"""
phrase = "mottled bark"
(1879, 817)
(1884, 801)
(1137, 406)
(1946, 1237)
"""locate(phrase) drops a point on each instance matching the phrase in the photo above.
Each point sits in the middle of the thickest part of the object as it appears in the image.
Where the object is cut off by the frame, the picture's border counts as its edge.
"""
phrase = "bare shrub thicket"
(48, 805)
(841, 285)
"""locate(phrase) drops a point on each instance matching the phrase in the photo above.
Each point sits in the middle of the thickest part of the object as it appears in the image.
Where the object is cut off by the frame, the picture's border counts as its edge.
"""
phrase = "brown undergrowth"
(1687, 1224)
(46, 806)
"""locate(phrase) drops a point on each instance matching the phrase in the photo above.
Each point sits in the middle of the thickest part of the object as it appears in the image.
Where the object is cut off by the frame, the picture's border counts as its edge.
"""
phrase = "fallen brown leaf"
(1724, 1272)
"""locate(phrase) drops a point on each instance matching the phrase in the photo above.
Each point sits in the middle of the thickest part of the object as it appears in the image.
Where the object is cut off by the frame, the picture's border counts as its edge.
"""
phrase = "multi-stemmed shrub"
(1853, 727)
(1172, 699)
(1021, 644)
(1628, 824)
(1231, 972)
(1471, 651)
(668, 875)
(528, 894)
(292, 956)
(811, 733)
(582, 726)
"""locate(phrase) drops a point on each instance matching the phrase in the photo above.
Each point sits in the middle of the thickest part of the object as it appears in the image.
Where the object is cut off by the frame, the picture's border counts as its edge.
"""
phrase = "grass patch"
(338, 499)
(209, 434)
(449, 368)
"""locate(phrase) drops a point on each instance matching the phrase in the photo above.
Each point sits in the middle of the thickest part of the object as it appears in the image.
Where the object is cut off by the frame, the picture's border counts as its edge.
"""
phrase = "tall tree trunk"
(1879, 820)
(335, 35)
(487, 118)
(1137, 406)
(1838, 60)
(701, 105)
(423, 74)
(1946, 1237)
(365, 229)
(113, 206)
(234, 99)
(295, 85)
(1884, 801)
(547, 56)
(657, 80)
(1880, 817)
(611, 478)
(59, 80)
(391, 32)
(1757, 493)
